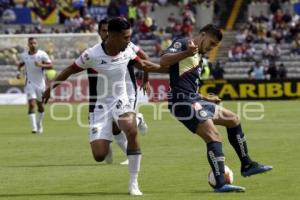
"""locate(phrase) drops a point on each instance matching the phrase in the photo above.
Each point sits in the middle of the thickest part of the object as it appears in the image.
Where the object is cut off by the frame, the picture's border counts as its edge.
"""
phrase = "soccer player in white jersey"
(131, 88)
(108, 97)
(35, 61)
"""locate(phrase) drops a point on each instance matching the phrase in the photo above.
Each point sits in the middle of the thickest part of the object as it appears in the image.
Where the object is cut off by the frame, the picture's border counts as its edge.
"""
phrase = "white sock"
(134, 168)
(137, 120)
(121, 141)
(32, 121)
(40, 118)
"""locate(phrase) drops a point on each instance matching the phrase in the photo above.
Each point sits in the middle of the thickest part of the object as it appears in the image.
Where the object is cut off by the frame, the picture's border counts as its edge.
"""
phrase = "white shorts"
(34, 92)
(101, 119)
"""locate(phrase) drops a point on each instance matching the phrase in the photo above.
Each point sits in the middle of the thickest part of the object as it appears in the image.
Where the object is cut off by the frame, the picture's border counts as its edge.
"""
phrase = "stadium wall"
(77, 90)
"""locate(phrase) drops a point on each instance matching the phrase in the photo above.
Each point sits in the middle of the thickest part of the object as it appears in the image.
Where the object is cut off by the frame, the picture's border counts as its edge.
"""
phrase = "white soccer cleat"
(142, 126)
(134, 190)
(125, 162)
(109, 156)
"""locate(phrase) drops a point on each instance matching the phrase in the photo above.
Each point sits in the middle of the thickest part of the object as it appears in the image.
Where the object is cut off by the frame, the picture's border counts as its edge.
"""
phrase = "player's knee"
(235, 121)
(99, 157)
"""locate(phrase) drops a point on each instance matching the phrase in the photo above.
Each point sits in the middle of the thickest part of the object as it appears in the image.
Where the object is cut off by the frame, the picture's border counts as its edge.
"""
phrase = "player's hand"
(38, 64)
(46, 95)
(192, 49)
(214, 99)
(146, 88)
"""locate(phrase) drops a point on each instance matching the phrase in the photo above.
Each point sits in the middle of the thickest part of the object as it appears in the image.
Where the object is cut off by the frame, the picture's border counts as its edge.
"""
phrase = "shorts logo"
(94, 130)
(177, 45)
(202, 113)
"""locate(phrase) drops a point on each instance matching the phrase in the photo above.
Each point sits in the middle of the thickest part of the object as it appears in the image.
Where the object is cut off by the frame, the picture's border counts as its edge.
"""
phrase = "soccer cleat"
(134, 190)
(254, 168)
(125, 162)
(109, 157)
(230, 188)
(142, 126)
(33, 131)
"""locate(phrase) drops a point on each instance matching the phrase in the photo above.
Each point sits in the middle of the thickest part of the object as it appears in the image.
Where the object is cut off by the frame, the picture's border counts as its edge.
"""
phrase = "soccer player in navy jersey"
(200, 114)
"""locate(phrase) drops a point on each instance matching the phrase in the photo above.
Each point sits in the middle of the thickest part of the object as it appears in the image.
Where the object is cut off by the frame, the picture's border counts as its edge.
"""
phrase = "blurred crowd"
(262, 37)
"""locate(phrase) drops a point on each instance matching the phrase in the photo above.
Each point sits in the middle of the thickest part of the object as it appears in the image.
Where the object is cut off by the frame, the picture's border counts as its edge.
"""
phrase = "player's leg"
(197, 117)
(40, 116)
(100, 149)
(121, 140)
(127, 123)
(140, 121)
(31, 96)
(39, 94)
(209, 133)
(100, 135)
(237, 139)
(31, 115)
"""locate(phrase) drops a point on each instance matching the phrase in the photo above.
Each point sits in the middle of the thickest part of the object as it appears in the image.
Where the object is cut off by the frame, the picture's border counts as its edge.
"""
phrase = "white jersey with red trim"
(109, 73)
(34, 74)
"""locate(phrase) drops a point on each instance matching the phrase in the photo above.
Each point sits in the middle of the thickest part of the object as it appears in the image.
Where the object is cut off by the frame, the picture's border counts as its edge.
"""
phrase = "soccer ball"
(228, 177)
(50, 74)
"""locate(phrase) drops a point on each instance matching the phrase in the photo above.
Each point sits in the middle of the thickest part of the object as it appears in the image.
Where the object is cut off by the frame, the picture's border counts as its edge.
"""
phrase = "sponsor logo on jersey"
(103, 62)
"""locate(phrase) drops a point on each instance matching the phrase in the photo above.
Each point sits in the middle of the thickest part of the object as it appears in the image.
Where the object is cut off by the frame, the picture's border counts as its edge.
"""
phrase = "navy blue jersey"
(184, 75)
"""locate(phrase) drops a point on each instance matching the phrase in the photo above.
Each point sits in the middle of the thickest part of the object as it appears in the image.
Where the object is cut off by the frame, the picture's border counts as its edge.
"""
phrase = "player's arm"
(44, 65)
(146, 85)
(171, 58)
(20, 65)
(148, 66)
(212, 98)
(64, 75)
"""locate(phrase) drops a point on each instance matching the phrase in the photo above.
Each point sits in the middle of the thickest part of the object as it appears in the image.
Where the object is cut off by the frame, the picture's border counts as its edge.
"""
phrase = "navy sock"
(216, 160)
(238, 141)
(134, 152)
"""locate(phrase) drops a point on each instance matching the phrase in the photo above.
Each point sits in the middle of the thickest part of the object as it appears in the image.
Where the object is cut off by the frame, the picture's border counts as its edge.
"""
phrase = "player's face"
(103, 32)
(207, 43)
(32, 45)
(124, 39)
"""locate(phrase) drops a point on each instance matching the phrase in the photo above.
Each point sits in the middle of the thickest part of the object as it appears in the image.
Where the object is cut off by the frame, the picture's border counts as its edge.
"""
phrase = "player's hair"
(103, 21)
(118, 24)
(31, 38)
(213, 30)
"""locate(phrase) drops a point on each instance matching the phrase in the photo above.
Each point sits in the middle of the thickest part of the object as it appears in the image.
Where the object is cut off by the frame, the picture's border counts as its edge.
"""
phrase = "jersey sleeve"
(84, 60)
(21, 58)
(134, 47)
(46, 58)
(176, 46)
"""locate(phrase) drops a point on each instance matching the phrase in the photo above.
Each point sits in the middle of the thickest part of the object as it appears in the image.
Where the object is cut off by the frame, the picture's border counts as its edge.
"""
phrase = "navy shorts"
(192, 112)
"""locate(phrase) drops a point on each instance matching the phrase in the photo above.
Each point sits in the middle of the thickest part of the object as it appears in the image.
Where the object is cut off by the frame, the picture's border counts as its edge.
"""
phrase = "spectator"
(257, 71)
(296, 45)
(282, 71)
(271, 51)
(235, 54)
(272, 71)
(113, 10)
(218, 71)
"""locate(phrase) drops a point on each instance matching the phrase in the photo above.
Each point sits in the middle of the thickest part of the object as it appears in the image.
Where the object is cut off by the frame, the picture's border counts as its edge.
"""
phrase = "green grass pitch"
(58, 164)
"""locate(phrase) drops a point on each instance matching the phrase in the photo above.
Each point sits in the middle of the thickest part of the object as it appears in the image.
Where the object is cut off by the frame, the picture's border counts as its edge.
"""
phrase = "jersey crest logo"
(177, 45)
(103, 62)
(202, 113)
